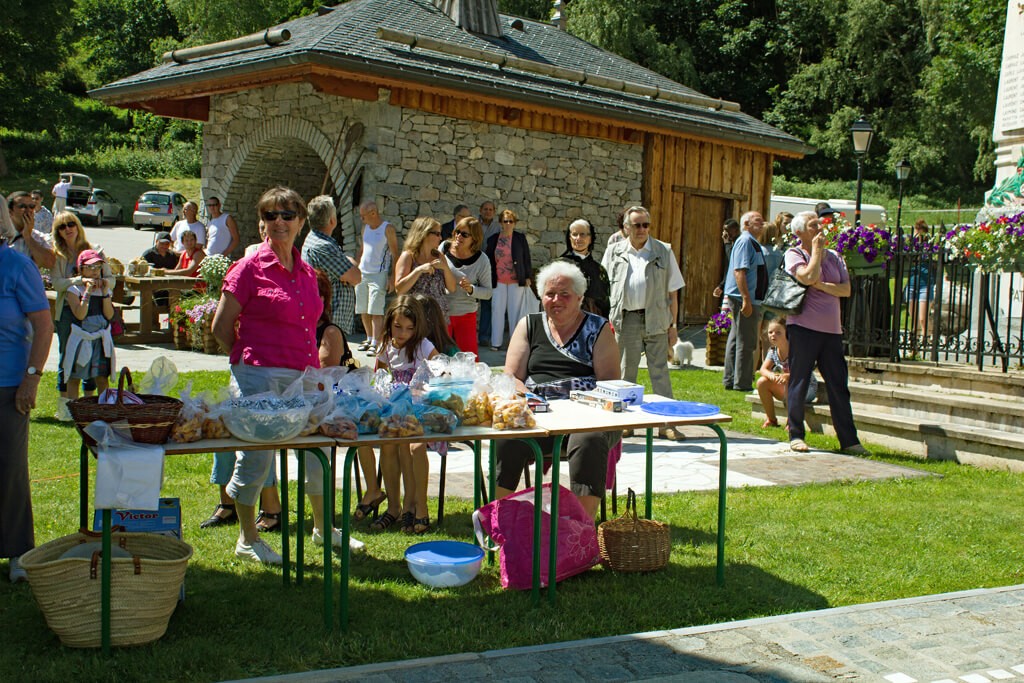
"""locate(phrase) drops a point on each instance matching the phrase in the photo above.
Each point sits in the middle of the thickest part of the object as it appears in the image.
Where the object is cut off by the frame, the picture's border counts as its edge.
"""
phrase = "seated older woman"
(551, 352)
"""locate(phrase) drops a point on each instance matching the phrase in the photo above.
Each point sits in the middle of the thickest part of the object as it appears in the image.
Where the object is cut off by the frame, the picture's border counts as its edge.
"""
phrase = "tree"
(118, 36)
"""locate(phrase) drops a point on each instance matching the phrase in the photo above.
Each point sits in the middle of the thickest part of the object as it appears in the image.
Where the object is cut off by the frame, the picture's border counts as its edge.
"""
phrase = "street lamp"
(862, 133)
(902, 173)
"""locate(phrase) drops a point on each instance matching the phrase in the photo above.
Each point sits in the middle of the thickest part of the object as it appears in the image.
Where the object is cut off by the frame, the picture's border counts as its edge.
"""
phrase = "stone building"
(424, 105)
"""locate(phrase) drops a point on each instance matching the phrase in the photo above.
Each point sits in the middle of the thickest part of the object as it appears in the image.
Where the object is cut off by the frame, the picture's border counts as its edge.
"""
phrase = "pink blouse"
(280, 310)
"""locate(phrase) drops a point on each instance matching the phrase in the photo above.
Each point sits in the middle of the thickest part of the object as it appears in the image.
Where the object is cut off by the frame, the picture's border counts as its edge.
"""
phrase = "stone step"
(947, 378)
(940, 407)
(980, 446)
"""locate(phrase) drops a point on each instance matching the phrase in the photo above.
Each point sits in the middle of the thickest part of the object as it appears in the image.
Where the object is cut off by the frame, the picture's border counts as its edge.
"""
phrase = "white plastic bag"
(128, 474)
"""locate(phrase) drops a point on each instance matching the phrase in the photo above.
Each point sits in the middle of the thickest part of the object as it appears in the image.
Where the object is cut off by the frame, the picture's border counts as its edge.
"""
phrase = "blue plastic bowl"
(443, 564)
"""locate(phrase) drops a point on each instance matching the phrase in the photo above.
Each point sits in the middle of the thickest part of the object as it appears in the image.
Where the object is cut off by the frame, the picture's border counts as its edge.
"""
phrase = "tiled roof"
(347, 38)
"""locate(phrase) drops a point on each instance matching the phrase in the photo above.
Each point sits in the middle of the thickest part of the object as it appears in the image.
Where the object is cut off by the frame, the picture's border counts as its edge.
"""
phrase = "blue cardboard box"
(166, 520)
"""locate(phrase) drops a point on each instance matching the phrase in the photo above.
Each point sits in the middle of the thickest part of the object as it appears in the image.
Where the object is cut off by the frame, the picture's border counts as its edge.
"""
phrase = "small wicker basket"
(150, 422)
(633, 544)
(143, 588)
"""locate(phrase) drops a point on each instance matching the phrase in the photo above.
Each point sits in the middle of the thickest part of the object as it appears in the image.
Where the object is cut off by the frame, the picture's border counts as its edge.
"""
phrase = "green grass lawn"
(788, 549)
(124, 190)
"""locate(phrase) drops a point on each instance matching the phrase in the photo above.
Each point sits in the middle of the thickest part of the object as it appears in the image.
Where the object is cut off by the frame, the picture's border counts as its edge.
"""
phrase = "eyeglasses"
(24, 206)
(66, 226)
(271, 216)
(435, 233)
(645, 226)
(211, 206)
(460, 233)
(506, 220)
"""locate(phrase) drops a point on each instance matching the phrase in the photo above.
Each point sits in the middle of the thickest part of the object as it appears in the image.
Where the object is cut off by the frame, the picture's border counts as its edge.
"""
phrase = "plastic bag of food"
(338, 424)
(509, 411)
(479, 407)
(316, 386)
(436, 419)
(266, 417)
(397, 417)
(189, 425)
(452, 399)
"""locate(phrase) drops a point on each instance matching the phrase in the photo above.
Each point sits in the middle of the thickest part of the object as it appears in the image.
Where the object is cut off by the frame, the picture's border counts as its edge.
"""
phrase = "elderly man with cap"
(645, 283)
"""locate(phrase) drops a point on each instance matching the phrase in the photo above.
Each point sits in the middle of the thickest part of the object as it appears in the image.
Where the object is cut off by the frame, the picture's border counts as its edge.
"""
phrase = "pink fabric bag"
(508, 522)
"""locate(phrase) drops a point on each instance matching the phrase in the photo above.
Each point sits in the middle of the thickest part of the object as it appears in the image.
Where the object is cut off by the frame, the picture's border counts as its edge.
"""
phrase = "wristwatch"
(32, 370)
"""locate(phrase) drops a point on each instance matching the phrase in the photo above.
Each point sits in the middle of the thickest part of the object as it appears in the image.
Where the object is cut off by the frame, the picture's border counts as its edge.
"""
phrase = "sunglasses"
(505, 220)
(435, 233)
(645, 226)
(271, 216)
(66, 226)
(460, 233)
(212, 206)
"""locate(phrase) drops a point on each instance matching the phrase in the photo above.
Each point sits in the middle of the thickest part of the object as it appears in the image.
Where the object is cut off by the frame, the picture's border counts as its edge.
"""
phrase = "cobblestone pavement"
(970, 636)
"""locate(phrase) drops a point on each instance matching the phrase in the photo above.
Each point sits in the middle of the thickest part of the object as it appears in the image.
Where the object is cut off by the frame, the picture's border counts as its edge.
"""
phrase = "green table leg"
(556, 458)
(477, 474)
(538, 502)
(300, 516)
(285, 541)
(328, 483)
(105, 586)
(649, 493)
(723, 471)
(346, 505)
(83, 486)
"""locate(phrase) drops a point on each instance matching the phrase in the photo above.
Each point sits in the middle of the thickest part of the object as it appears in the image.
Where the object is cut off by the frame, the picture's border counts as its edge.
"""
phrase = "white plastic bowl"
(443, 564)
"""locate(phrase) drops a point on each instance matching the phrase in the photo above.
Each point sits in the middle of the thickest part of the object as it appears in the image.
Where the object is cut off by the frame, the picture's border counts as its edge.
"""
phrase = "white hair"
(799, 221)
(746, 218)
(559, 268)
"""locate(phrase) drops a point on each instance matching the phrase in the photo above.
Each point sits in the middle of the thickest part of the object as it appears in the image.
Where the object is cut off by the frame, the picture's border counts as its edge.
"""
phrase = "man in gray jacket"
(645, 283)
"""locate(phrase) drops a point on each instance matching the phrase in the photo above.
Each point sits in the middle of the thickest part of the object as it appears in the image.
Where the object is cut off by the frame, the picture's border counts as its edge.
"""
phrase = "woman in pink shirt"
(267, 316)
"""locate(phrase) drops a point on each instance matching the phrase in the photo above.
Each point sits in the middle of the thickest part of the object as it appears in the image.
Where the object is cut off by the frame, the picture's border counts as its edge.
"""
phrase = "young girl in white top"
(403, 345)
(89, 353)
(774, 380)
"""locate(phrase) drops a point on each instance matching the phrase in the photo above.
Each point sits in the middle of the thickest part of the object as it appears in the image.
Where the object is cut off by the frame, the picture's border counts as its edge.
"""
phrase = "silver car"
(159, 208)
(94, 206)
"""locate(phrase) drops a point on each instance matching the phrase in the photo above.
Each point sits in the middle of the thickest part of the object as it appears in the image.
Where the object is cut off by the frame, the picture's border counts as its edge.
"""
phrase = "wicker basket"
(633, 544)
(150, 422)
(181, 337)
(143, 588)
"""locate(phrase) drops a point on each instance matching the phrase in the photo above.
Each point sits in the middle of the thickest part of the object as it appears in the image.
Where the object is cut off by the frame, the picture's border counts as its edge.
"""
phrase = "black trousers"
(587, 454)
(808, 348)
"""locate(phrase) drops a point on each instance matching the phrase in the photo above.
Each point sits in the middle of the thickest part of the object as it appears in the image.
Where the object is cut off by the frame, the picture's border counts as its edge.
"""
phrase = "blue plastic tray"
(443, 552)
(681, 408)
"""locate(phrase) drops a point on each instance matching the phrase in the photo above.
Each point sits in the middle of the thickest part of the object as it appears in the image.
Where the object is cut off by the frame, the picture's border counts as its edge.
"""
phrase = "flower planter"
(714, 351)
(858, 265)
(210, 344)
(181, 337)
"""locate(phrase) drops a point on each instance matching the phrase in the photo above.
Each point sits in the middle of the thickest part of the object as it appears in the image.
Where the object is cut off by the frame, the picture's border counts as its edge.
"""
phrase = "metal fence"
(927, 306)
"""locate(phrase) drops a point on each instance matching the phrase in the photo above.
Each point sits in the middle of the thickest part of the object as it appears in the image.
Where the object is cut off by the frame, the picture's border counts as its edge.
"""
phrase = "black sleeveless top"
(554, 370)
(346, 355)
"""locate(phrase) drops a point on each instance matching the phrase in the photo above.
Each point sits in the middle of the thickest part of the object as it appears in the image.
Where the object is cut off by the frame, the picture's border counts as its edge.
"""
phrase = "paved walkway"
(971, 637)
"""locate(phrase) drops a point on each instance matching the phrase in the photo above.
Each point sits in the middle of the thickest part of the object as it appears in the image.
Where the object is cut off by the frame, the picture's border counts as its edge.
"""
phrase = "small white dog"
(682, 353)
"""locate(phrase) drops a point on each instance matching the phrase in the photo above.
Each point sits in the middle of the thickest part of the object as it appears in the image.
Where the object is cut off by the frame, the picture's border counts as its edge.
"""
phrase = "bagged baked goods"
(360, 401)
(478, 409)
(189, 425)
(337, 425)
(435, 419)
(397, 417)
(512, 413)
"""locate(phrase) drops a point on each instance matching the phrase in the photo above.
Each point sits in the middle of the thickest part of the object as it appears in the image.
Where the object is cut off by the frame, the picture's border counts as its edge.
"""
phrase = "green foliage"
(117, 36)
(538, 10)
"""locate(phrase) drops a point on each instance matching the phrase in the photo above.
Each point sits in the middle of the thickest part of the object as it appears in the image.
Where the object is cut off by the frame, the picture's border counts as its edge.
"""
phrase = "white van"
(869, 213)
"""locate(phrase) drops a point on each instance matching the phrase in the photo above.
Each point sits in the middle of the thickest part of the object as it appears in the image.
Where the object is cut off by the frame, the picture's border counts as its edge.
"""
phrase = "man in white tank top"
(221, 231)
(377, 256)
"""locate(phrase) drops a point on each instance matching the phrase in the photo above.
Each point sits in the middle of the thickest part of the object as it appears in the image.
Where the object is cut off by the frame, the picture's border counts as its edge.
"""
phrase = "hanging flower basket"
(858, 264)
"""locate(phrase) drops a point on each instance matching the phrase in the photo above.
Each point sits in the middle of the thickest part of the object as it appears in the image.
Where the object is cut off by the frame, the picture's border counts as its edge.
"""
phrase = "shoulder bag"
(785, 294)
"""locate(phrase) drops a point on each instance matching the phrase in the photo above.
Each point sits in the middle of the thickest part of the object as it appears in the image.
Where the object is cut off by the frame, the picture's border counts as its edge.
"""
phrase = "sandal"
(798, 446)
(421, 525)
(383, 523)
(261, 521)
(217, 520)
(364, 510)
(408, 522)
(769, 423)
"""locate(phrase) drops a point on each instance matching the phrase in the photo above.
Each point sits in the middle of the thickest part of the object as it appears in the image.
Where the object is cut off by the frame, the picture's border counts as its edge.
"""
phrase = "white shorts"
(371, 294)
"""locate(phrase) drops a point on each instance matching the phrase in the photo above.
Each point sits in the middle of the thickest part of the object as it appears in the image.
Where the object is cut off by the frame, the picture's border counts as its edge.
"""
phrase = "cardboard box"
(596, 400)
(166, 520)
(627, 392)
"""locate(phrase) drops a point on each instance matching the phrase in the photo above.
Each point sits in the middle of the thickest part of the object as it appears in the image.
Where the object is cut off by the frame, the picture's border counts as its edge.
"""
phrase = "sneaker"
(63, 414)
(355, 545)
(856, 449)
(17, 571)
(366, 345)
(257, 552)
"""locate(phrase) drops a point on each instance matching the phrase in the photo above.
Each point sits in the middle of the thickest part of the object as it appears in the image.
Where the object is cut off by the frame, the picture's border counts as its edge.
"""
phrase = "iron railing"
(927, 306)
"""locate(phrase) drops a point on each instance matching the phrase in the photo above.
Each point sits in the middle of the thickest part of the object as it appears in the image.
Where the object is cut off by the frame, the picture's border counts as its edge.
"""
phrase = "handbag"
(785, 293)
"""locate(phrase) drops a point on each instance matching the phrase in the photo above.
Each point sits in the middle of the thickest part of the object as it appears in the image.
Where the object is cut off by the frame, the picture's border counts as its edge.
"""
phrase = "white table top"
(568, 417)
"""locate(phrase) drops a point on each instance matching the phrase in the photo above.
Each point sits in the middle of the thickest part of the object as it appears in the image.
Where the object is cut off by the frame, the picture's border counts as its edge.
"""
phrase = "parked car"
(159, 208)
(94, 206)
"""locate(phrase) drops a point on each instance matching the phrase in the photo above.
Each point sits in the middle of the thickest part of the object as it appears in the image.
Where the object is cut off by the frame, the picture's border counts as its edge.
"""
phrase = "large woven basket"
(143, 588)
(633, 544)
(150, 422)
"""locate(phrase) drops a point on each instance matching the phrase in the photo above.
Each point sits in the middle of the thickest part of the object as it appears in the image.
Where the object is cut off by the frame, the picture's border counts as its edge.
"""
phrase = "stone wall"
(413, 164)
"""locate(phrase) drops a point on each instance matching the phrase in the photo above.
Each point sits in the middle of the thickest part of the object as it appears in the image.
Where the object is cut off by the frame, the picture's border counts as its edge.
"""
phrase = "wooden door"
(703, 258)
